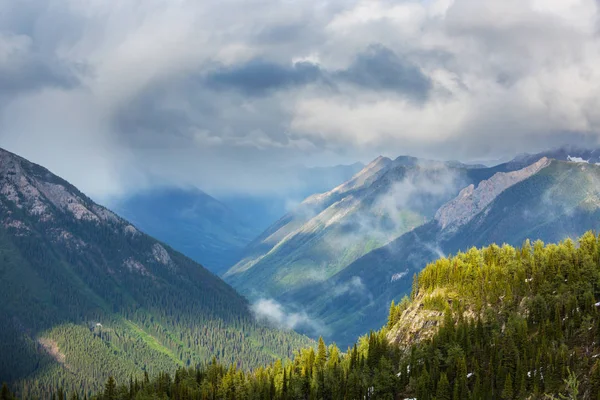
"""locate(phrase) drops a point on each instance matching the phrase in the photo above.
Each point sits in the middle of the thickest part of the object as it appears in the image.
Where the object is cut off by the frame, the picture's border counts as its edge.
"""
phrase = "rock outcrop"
(471, 201)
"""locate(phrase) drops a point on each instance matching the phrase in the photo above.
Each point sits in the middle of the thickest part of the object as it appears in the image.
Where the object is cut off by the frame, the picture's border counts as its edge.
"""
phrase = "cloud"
(22, 69)
(257, 77)
(118, 97)
(273, 312)
(354, 286)
(380, 69)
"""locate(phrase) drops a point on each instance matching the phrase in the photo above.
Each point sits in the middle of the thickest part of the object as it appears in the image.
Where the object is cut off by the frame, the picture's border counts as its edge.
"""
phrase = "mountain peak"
(36, 191)
(564, 153)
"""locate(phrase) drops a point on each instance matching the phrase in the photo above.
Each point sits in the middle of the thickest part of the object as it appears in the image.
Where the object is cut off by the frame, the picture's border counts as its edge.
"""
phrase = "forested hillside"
(496, 323)
(85, 295)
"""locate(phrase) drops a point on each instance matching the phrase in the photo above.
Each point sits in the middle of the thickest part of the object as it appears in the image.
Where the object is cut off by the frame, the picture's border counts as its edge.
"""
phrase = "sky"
(119, 96)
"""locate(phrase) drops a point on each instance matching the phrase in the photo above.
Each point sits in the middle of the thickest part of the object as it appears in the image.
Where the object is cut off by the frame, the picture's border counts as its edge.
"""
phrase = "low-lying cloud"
(275, 313)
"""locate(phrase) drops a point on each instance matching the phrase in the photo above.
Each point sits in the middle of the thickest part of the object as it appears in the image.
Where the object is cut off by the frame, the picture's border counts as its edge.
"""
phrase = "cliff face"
(39, 193)
(421, 320)
(471, 201)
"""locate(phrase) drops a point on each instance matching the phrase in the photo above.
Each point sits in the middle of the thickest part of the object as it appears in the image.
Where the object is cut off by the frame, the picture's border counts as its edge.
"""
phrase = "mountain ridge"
(87, 295)
(560, 200)
(328, 231)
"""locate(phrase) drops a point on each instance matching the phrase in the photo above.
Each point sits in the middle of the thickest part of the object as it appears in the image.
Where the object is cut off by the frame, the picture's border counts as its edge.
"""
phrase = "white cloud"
(130, 78)
(275, 313)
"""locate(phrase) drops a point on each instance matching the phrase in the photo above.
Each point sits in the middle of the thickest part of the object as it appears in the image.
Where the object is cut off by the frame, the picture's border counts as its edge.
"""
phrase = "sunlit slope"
(560, 200)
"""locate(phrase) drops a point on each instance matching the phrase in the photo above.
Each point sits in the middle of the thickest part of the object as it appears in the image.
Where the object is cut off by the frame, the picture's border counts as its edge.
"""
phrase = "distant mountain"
(214, 231)
(548, 200)
(564, 153)
(329, 231)
(194, 223)
(261, 210)
(86, 295)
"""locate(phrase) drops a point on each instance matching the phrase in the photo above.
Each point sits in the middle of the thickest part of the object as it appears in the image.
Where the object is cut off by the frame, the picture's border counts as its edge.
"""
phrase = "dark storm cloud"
(29, 72)
(258, 77)
(379, 68)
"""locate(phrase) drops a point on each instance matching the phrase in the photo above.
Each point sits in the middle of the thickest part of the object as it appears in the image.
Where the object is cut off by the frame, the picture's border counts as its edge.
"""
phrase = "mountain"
(86, 295)
(192, 222)
(214, 231)
(262, 210)
(329, 231)
(492, 323)
(548, 200)
(564, 153)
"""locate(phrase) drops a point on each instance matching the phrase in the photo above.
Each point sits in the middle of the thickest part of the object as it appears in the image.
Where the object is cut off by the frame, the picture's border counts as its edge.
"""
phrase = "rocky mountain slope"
(87, 295)
(329, 231)
(549, 200)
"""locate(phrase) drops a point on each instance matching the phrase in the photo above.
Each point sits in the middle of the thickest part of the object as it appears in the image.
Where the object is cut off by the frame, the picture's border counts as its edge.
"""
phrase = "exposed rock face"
(161, 255)
(415, 325)
(471, 201)
(38, 193)
(134, 265)
(418, 323)
(33, 201)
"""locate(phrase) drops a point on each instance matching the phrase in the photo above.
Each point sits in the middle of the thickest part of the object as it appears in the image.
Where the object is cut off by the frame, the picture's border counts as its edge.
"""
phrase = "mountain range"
(329, 231)
(86, 295)
(317, 259)
(214, 231)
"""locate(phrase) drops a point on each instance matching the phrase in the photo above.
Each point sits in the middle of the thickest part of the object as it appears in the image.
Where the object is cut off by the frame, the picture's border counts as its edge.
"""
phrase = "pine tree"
(392, 315)
(415, 287)
(595, 381)
(284, 387)
(507, 392)
(444, 392)
(321, 354)
(5, 394)
(424, 386)
(110, 389)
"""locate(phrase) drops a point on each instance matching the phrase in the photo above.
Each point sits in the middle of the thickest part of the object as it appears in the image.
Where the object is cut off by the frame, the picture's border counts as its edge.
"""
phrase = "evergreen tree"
(444, 392)
(507, 392)
(595, 381)
(415, 287)
(392, 315)
(110, 389)
(5, 394)
(321, 354)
